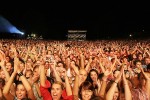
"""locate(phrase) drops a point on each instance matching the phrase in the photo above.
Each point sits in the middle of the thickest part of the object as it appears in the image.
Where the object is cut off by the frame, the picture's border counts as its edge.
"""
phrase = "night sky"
(52, 20)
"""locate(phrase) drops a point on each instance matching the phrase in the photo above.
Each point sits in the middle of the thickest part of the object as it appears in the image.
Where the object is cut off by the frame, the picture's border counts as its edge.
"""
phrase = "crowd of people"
(74, 70)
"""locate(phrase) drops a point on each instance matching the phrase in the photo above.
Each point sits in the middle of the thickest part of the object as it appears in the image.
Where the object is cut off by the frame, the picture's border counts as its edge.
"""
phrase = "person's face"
(140, 57)
(49, 52)
(29, 60)
(127, 74)
(46, 65)
(125, 60)
(36, 72)
(21, 92)
(116, 73)
(7, 59)
(111, 53)
(21, 66)
(28, 74)
(56, 91)
(138, 65)
(93, 76)
(62, 72)
(28, 65)
(38, 62)
(83, 75)
(8, 66)
(147, 61)
(60, 65)
(134, 56)
(86, 94)
(116, 94)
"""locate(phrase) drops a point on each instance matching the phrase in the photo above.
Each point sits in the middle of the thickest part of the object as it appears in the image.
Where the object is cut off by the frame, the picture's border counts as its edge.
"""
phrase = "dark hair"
(36, 66)
(89, 77)
(2, 81)
(86, 85)
(97, 98)
(148, 66)
(115, 71)
(25, 99)
(136, 61)
(18, 83)
(61, 63)
(21, 60)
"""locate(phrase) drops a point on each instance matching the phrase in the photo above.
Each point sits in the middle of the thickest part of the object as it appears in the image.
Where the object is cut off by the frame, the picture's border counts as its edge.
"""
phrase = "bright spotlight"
(6, 26)
(130, 35)
(22, 33)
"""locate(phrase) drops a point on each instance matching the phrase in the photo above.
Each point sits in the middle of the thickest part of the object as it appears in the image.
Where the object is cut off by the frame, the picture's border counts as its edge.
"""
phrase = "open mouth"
(20, 96)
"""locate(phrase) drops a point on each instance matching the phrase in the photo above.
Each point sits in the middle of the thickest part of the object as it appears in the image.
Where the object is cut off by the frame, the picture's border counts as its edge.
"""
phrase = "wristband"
(20, 74)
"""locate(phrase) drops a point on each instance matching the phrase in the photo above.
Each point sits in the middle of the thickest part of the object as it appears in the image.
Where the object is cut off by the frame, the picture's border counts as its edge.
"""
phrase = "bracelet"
(20, 74)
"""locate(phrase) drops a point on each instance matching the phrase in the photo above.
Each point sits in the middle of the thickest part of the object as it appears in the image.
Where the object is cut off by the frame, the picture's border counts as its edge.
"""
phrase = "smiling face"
(94, 76)
(20, 92)
(86, 91)
(56, 91)
(86, 94)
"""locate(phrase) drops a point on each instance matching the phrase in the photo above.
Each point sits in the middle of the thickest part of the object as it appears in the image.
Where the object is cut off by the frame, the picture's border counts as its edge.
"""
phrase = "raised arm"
(42, 75)
(128, 95)
(82, 60)
(88, 65)
(67, 85)
(25, 81)
(147, 84)
(102, 91)
(6, 90)
(4, 69)
(76, 82)
(101, 65)
(111, 91)
(55, 72)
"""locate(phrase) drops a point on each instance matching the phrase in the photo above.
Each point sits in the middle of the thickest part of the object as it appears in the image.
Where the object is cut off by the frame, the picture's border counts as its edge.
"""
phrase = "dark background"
(101, 20)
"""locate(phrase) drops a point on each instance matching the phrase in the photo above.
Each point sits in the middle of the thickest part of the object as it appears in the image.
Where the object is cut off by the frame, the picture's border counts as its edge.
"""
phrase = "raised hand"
(16, 65)
(2, 63)
(74, 68)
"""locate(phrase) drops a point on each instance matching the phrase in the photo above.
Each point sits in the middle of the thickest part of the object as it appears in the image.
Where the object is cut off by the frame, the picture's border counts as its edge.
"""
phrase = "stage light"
(6, 26)
(130, 35)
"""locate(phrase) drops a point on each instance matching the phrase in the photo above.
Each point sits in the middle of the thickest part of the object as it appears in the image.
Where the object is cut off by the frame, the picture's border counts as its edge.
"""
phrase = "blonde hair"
(60, 83)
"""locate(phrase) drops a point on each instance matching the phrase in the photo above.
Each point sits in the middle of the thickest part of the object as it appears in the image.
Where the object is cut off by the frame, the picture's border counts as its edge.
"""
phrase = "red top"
(46, 94)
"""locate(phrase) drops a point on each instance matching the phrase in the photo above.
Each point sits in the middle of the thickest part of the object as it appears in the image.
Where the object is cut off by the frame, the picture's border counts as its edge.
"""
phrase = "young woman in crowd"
(23, 88)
